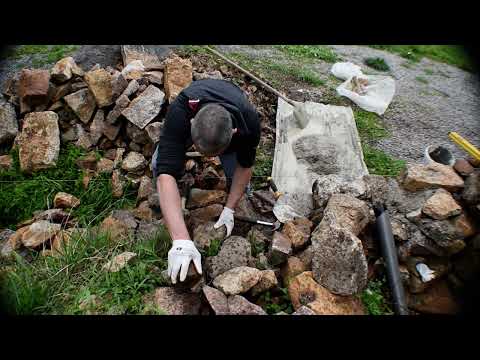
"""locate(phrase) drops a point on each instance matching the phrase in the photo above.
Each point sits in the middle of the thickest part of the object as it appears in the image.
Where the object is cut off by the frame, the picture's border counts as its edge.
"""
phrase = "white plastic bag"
(374, 97)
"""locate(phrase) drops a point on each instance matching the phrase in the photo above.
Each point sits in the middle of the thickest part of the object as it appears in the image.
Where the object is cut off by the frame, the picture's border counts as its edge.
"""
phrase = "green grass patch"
(377, 63)
(320, 52)
(380, 163)
(60, 285)
(369, 125)
(274, 304)
(22, 194)
(262, 168)
(421, 79)
(374, 299)
(450, 54)
(42, 54)
(428, 71)
(214, 248)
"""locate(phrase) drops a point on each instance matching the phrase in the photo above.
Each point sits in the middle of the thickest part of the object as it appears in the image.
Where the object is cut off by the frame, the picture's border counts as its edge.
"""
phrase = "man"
(216, 116)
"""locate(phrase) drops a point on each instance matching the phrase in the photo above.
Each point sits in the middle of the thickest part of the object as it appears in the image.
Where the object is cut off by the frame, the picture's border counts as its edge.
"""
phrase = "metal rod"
(263, 83)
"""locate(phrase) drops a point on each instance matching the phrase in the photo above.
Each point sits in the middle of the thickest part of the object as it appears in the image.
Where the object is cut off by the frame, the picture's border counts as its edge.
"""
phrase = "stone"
(13, 242)
(280, 249)
(6, 163)
(207, 213)
(60, 240)
(56, 106)
(114, 228)
(437, 299)
(267, 281)
(111, 131)
(150, 56)
(414, 215)
(154, 131)
(39, 141)
(238, 305)
(119, 261)
(104, 166)
(121, 104)
(204, 234)
(134, 70)
(96, 127)
(419, 245)
(71, 134)
(99, 83)
(216, 300)
(89, 161)
(304, 310)
(143, 212)
(134, 162)
(348, 212)
(145, 107)
(6, 247)
(441, 205)
(119, 84)
(82, 103)
(201, 198)
(33, 87)
(8, 122)
(84, 140)
(208, 179)
(117, 184)
(177, 76)
(298, 231)
(169, 301)
(154, 77)
(63, 200)
(117, 162)
(215, 74)
(145, 188)
(131, 88)
(471, 192)
(137, 135)
(64, 69)
(327, 185)
(39, 232)
(234, 252)
(399, 230)
(305, 291)
(306, 257)
(126, 217)
(78, 85)
(434, 175)
(291, 268)
(463, 167)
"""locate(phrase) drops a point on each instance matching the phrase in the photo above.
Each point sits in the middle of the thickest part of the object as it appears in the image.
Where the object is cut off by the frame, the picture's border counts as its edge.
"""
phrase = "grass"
(374, 299)
(450, 54)
(321, 52)
(428, 71)
(262, 168)
(377, 63)
(22, 194)
(421, 79)
(214, 248)
(59, 285)
(42, 54)
(274, 304)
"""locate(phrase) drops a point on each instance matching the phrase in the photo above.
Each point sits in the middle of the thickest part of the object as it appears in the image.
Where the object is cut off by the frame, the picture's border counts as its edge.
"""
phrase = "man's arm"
(240, 180)
(170, 203)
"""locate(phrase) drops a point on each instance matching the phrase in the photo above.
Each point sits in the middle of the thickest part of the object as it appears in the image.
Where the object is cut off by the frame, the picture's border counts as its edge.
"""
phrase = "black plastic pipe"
(389, 254)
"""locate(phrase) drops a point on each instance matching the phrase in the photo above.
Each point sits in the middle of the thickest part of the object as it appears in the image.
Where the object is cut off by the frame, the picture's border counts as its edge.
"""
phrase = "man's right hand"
(179, 257)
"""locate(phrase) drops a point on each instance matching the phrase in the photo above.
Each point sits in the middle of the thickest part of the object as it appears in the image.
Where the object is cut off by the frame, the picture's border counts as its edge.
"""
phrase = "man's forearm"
(171, 205)
(240, 180)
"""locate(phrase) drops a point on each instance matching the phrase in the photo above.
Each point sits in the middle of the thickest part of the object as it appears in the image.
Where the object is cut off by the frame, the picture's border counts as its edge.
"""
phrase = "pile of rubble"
(324, 260)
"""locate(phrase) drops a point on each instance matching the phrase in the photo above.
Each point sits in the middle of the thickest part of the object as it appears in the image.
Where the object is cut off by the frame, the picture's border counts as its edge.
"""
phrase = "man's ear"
(191, 120)
(234, 131)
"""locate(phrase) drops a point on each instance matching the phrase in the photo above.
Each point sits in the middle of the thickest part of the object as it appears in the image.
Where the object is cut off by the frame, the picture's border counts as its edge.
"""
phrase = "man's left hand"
(226, 218)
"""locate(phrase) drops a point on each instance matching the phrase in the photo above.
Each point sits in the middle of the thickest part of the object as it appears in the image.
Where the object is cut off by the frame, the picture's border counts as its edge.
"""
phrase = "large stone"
(280, 249)
(131, 88)
(147, 230)
(204, 234)
(6, 248)
(238, 305)
(267, 281)
(121, 104)
(305, 291)
(126, 217)
(82, 103)
(471, 192)
(100, 84)
(201, 198)
(217, 300)
(8, 122)
(39, 141)
(6, 162)
(441, 205)
(137, 135)
(434, 175)
(117, 184)
(419, 245)
(235, 252)
(304, 310)
(437, 299)
(143, 212)
(154, 131)
(207, 213)
(104, 166)
(397, 199)
(215, 74)
(115, 229)
(327, 185)
(33, 86)
(119, 84)
(96, 127)
(154, 77)
(145, 107)
(64, 69)
(134, 70)
(177, 76)
(119, 261)
(169, 301)
(306, 257)
(298, 231)
(84, 140)
(111, 131)
(463, 167)
(145, 188)
(38, 233)
(150, 56)
(134, 162)
(292, 267)
(348, 212)
(13, 242)
(63, 200)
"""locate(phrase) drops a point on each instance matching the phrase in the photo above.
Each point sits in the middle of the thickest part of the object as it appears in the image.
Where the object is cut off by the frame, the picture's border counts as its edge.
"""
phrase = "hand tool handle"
(253, 221)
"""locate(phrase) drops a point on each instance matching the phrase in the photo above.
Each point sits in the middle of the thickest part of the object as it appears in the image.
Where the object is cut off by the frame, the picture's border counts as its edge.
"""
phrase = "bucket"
(438, 154)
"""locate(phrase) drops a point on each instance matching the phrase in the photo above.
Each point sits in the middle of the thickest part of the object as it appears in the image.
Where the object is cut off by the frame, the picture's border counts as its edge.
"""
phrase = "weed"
(214, 248)
(377, 63)
(274, 304)
(258, 247)
(373, 298)
(262, 168)
(321, 52)
(369, 125)
(428, 71)
(379, 163)
(421, 79)
(300, 73)
(42, 54)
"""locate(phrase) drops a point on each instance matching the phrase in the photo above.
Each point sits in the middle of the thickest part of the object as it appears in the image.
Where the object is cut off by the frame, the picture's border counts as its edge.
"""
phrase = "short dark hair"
(212, 129)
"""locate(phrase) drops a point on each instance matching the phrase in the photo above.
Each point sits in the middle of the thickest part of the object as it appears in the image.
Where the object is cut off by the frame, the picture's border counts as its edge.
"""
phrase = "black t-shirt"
(176, 136)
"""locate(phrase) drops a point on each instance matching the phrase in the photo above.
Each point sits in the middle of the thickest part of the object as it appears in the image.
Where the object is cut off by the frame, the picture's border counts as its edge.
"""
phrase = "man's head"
(212, 129)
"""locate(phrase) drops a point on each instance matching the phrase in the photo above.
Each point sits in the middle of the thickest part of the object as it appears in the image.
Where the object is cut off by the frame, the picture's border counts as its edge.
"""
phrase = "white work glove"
(226, 218)
(179, 257)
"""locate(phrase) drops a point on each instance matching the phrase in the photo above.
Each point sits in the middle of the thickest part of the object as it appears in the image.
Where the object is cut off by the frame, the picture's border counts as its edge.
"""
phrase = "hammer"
(277, 193)
(275, 225)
